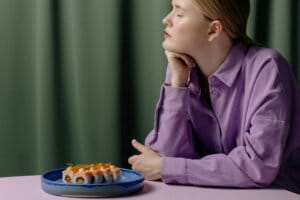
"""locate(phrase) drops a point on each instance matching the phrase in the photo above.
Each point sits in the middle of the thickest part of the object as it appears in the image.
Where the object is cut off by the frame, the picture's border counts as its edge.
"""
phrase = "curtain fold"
(80, 79)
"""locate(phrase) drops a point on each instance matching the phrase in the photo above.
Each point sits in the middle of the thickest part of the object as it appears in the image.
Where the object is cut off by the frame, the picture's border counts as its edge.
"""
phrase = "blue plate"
(130, 182)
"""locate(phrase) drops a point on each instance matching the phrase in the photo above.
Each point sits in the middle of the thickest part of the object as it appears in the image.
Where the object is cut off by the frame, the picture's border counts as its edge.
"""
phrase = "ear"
(215, 30)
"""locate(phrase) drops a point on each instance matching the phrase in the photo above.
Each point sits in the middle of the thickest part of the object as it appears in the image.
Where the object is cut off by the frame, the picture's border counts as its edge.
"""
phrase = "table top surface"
(29, 187)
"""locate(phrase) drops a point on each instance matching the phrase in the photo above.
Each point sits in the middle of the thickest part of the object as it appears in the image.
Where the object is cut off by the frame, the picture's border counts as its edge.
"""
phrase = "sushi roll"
(116, 174)
(83, 177)
(107, 175)
(98, 175)
(68, 175)
(91, 173)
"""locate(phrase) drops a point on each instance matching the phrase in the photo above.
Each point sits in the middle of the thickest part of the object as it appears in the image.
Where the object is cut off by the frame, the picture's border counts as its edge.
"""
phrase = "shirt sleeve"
(256, 162)
(172, 133)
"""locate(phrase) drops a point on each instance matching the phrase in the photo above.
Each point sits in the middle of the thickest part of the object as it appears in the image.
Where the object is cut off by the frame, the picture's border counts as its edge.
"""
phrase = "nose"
(167, 21)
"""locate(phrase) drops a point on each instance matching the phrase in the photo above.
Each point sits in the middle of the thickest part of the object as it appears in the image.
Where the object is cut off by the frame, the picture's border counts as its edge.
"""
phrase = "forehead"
(187, 5)
(182, 4)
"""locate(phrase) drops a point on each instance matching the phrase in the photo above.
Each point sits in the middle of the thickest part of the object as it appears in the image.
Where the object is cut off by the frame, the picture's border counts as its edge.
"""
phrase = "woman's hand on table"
(148, 162)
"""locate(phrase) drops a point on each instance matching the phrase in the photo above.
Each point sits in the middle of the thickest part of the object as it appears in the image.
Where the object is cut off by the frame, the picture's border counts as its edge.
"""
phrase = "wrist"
(178, 82)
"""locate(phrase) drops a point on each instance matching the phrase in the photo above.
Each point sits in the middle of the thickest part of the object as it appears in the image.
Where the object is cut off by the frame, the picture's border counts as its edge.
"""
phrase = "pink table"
(29, 188)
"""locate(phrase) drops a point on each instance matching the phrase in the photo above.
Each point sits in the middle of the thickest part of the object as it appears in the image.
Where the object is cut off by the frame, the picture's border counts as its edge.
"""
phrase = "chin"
(171, 47)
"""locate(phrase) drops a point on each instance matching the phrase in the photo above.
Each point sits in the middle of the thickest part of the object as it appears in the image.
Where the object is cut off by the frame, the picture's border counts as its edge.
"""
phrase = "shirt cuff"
(174, 170)
(175, 98)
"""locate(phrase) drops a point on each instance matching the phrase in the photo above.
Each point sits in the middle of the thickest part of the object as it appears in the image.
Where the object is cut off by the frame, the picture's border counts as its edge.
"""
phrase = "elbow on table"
(265, 177)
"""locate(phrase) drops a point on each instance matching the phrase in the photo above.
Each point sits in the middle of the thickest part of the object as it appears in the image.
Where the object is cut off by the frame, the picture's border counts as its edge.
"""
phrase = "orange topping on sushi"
(89, 173)
(115, 170)
(105, 170)
(93, 168)
(96, 172)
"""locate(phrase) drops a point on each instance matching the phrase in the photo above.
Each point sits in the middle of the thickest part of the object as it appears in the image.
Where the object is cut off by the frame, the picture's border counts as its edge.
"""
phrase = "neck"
(214, 55)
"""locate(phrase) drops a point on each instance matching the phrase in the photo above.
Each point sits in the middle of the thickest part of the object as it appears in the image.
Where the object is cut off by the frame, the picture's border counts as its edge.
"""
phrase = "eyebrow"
(178, 7)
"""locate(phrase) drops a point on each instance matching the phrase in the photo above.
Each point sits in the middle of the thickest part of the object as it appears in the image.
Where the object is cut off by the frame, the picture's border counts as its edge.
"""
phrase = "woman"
(228, 113)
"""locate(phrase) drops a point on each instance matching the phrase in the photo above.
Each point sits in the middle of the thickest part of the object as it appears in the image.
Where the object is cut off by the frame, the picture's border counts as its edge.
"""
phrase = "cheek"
(190, 32)
(191, 38)
(185, 38)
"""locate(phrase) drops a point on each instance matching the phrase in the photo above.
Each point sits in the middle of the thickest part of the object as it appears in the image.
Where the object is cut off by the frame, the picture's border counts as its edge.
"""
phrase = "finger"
(185, 58)
(133, 167)
(132, 159)
(138, 146)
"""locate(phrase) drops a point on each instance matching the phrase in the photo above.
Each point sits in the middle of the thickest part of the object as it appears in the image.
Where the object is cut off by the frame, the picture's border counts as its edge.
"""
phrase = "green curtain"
(80, 78)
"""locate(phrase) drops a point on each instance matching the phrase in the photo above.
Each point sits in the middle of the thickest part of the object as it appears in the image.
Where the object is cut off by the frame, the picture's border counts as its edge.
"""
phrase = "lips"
(166, 34)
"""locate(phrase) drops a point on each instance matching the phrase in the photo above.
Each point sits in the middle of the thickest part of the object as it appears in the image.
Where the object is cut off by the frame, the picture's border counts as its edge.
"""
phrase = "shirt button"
(214, 81)
(214, 92)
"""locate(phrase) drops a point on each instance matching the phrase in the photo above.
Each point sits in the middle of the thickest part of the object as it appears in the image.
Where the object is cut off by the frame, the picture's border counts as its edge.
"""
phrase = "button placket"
(214, 91)
(215, 94)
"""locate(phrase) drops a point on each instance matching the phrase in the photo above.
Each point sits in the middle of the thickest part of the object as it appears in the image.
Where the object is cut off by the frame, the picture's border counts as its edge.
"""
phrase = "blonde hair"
(233, 14)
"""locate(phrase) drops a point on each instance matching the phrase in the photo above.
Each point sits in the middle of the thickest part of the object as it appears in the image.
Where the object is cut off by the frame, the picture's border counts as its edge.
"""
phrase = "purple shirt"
(248, 137)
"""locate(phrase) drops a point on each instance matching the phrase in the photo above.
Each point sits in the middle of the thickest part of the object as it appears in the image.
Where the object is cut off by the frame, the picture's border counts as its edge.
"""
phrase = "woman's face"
(187, 29)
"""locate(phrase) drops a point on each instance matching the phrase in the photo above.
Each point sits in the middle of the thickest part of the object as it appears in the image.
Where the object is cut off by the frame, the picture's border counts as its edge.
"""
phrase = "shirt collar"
(229, 69)
(227, 72)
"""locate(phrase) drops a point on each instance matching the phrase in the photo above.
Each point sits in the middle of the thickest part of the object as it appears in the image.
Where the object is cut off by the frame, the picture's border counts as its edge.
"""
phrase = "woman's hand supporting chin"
(180, 65)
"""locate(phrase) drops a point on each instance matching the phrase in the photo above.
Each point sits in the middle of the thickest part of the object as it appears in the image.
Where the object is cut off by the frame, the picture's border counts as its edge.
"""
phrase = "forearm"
(217, 170)
(256, 163)
(172, 134)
